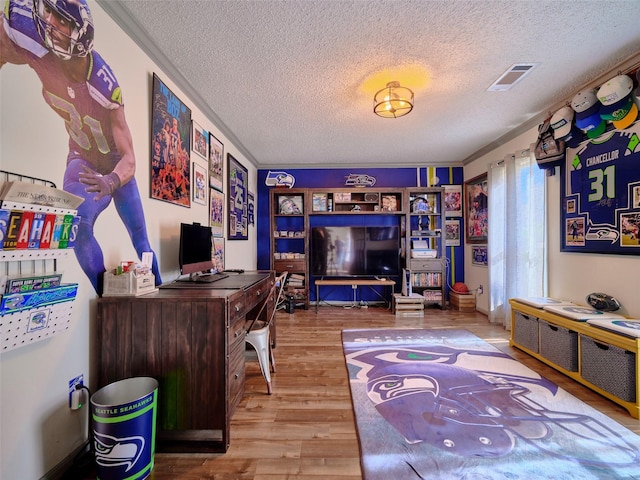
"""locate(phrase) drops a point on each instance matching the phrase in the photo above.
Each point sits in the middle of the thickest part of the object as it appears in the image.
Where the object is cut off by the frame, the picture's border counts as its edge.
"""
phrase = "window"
(517, 233)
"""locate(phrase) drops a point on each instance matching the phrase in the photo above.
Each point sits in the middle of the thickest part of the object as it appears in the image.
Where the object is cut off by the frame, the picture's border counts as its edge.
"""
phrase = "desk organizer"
(127, 284)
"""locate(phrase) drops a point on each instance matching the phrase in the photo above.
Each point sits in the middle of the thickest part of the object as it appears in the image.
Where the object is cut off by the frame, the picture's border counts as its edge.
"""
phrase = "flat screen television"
(365, 251)
(195, 254)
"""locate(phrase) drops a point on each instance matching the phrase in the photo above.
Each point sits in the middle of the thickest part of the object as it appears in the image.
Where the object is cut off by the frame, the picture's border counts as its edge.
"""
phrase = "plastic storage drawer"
(526, 331)
(610, 368)
(559, 345)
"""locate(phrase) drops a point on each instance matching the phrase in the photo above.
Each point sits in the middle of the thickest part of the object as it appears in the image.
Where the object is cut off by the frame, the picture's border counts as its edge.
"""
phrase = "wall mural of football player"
(55, 39)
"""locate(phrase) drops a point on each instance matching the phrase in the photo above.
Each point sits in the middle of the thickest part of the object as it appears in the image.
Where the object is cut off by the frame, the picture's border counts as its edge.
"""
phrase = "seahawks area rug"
(444, 404)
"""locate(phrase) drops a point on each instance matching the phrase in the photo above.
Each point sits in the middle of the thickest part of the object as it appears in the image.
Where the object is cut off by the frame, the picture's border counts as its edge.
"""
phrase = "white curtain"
(517, 233)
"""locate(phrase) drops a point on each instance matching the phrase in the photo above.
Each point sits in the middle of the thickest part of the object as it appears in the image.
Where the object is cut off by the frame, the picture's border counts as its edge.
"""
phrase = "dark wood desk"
(192, 341)
(354, 282)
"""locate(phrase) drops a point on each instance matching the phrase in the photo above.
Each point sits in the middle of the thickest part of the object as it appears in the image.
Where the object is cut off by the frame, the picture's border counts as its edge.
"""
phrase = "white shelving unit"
(424, 246)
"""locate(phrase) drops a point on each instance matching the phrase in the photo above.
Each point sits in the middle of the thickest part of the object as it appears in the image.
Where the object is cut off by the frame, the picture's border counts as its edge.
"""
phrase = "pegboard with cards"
(38, 226)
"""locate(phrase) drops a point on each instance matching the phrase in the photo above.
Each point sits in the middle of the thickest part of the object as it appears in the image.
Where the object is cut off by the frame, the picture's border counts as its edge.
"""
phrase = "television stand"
(355, 283)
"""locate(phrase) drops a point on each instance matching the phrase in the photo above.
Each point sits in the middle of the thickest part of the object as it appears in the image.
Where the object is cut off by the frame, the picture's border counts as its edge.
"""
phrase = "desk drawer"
(258, 292)
(237, 306)
(236, 373)
(236, 333)
(292, 266)
(432, 264)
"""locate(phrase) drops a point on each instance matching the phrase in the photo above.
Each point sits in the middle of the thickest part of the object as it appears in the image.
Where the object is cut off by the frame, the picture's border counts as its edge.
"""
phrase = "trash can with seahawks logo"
(124, 428)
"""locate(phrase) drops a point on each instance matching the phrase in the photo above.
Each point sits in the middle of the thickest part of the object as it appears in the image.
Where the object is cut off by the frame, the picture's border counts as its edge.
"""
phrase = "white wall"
(37, 430)
(571, 275)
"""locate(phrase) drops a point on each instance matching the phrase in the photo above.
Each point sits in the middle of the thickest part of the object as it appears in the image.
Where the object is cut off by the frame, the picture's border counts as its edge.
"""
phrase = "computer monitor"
(196, 254)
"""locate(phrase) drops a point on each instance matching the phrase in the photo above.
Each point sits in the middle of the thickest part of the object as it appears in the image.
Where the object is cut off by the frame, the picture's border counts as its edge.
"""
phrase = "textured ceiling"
(292, 82)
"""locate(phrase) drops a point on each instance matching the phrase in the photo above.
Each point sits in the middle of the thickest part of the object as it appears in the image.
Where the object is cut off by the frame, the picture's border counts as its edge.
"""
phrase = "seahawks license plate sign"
(601, 194)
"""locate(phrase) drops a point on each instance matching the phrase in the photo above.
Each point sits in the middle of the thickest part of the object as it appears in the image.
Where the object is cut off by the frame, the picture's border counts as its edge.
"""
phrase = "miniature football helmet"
(71, 32)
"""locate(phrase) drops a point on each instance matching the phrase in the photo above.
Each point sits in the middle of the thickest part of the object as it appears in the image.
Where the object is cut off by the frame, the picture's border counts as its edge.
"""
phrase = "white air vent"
(513, 75)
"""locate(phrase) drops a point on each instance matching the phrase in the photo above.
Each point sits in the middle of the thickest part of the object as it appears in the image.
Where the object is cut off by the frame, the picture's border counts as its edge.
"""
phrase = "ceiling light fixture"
(393, 101)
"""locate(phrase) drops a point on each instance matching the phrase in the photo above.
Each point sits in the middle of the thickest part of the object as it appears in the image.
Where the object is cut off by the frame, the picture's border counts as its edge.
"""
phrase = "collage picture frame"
(237, 184)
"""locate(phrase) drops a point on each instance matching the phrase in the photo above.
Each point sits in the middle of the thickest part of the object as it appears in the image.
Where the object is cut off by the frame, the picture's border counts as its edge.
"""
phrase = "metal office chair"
(257, 334)
(281, 301)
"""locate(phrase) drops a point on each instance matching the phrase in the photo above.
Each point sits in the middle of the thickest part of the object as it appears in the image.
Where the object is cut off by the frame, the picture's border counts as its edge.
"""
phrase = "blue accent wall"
(335, 178)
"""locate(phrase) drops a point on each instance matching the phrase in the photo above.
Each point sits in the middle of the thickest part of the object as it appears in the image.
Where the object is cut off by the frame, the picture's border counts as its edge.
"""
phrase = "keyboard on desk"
(201, 281)
(209, 277)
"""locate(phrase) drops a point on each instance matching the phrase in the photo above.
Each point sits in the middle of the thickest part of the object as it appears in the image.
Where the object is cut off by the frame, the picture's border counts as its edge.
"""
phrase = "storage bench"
(602, 360)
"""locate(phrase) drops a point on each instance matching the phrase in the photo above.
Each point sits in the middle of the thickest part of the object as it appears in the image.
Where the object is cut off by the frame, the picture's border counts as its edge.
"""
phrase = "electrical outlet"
(480, 290)
(73, 383)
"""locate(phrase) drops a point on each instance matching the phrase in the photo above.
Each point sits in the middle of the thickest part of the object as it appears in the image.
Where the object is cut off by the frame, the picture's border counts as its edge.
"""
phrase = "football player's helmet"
(475, 413)
(74, 14)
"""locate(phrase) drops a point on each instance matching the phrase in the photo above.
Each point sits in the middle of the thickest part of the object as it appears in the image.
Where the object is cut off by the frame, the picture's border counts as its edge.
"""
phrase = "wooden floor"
(306, 430)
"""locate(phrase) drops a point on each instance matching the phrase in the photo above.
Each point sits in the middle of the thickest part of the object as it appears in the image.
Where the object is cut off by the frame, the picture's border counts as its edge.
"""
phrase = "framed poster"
(452, 232)
(453, 200)
(199, 184)
(479, 255)
(216, 212)
(170, 146)
(237, 183)
(200, 139)
(216, 157)
(218, 253)
(477, 209)
(250, 209)
(600, 194)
